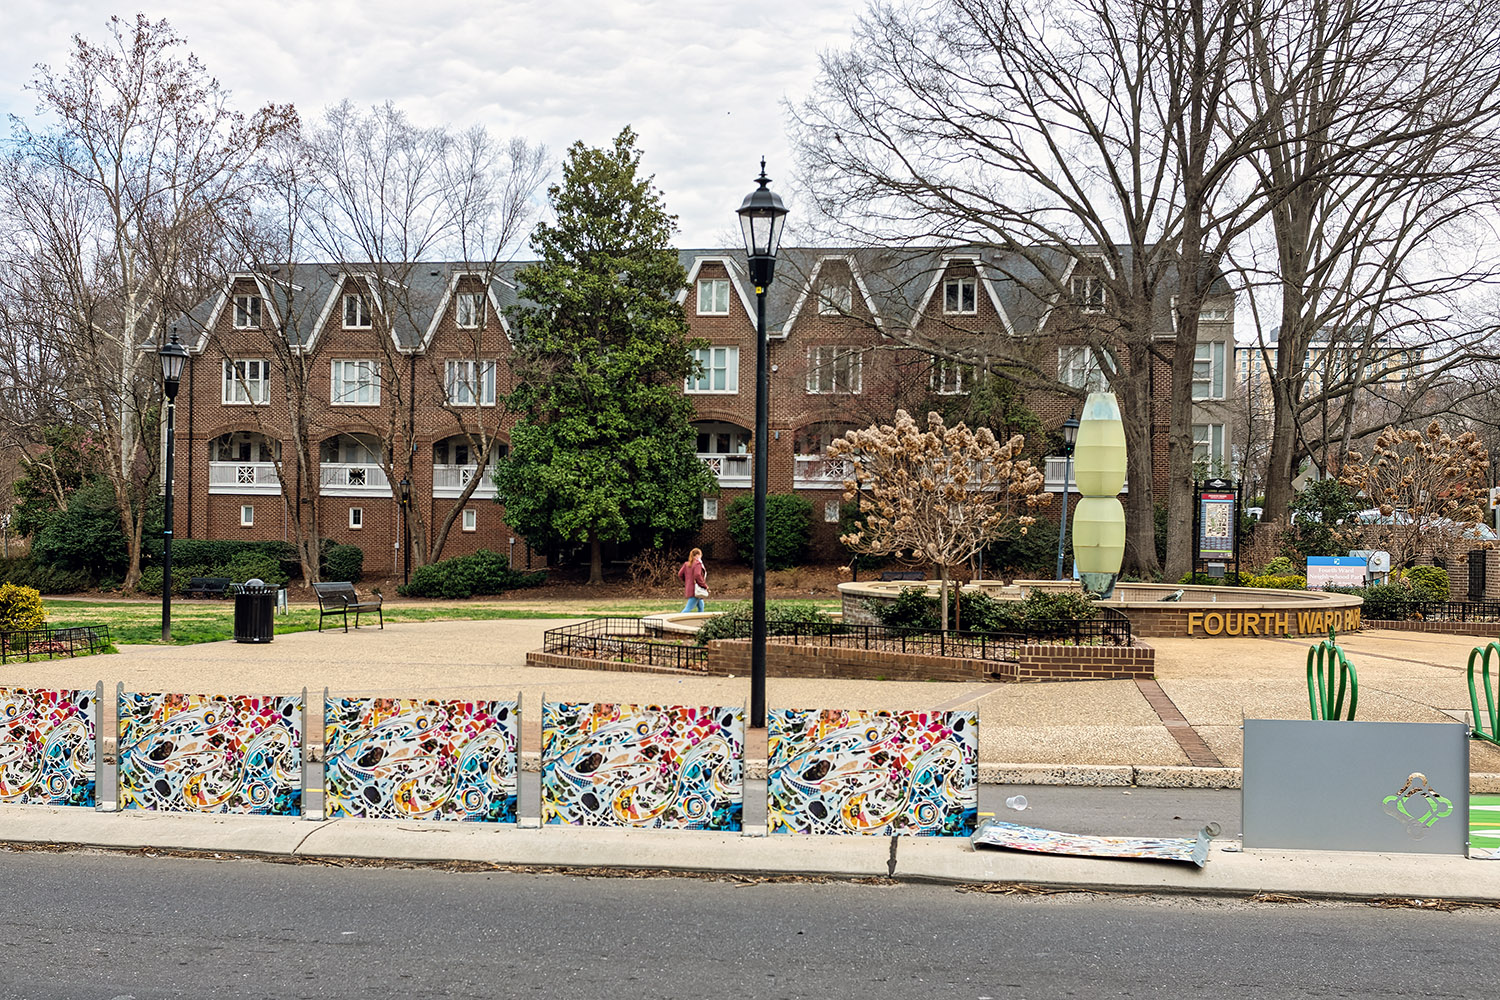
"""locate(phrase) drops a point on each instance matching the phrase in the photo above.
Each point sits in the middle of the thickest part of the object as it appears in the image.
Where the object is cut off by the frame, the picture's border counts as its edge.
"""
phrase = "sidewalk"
(1106, 733)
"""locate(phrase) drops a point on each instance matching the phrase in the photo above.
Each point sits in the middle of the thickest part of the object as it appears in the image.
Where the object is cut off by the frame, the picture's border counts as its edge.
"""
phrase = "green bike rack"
(1482, 654)
(1326, 663)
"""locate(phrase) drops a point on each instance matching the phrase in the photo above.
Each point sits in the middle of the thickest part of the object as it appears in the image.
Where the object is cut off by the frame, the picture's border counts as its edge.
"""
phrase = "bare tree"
(940, 495)
(117, 202)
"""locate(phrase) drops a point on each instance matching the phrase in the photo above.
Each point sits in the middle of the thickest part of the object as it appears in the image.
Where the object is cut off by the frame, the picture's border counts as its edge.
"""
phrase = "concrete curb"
(1229, 873)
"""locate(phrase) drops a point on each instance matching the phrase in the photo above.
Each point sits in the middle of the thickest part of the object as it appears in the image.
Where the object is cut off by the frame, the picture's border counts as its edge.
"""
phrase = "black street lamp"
(1070, 435)
(405, 530)
(761, 218)
(173, 356)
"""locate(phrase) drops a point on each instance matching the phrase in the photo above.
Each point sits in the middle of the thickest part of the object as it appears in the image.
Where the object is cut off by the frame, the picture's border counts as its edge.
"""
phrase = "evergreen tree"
(604, 450)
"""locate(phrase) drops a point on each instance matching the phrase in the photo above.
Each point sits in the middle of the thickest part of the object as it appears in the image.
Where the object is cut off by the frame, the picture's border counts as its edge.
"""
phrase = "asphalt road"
(82, 926)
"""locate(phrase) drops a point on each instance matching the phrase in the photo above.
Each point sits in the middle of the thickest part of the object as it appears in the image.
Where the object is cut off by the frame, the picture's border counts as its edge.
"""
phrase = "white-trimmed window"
(835, 300)
(468, 380)
(835, 369)
(718, 370)
(1215, 314)
(710, 508)
(713, 297)
(831, 511)
(1079, 367)
(247, 312)
(961, 296)
(356, 311)
(468, 310)
(1208, 370)
(356, 383)
(1208, 445)
(247, 515)
(471, 519)
(356, 517)
(246, 381)
(1087, 292)
(950, 378)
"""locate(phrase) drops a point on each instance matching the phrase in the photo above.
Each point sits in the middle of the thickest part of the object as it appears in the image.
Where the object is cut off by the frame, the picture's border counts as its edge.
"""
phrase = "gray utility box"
(1393, 787)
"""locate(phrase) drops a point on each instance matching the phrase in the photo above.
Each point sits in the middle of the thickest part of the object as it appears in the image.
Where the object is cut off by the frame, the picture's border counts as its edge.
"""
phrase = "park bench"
(340, 599)
(208, 586)
(902, 574)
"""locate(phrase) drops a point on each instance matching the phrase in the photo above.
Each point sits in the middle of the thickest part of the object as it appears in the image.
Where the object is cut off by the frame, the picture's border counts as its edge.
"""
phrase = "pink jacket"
(693, 574)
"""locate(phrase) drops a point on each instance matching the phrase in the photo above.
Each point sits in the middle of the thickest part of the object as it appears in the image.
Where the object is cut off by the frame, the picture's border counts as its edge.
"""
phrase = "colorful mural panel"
(667, 767)
(843, 771)
(399, 758)
(47, 747)
(211, 753)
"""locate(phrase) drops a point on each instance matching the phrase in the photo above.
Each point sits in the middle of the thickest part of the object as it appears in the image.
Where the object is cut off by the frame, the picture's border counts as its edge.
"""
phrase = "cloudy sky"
(701, 82)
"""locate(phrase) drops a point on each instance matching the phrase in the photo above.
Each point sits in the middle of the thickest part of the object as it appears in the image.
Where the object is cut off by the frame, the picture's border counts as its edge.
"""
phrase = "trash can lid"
(255, 582)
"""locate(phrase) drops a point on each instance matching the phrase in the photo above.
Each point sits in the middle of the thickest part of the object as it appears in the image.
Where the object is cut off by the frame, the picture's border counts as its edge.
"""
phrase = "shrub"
(1273, 582)
(86, 537)
(979, 612)
(208, 554)
(788, 529)
(1227, 580)
(344, 563)
(27, 572)
(20, 608)
(253, 566)
(1387, 601)
(484, 572)
(1280, 566)
(1433, 578)
(1033, 554)
(734, 622)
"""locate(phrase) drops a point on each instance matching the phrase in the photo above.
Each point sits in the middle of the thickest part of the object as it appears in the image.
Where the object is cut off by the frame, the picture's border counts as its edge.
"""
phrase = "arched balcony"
(349, 466)
(454, 465)
(243, 462)
(725, 449)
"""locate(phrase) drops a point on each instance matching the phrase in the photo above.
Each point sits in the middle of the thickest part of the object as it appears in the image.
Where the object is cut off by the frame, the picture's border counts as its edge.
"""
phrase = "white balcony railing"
(344, 480)
(818, 472)
(1057, 468)
(243, 477)
(730, 470)
(450, 480)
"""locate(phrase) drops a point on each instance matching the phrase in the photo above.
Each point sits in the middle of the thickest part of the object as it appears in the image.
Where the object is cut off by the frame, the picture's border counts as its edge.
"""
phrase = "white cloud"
(701, 82)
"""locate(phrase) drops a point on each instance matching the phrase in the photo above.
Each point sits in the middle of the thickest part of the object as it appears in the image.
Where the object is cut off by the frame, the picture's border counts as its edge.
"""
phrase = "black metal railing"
(27, 644)
(623, 639)
(1435, 611)
(1109, 628)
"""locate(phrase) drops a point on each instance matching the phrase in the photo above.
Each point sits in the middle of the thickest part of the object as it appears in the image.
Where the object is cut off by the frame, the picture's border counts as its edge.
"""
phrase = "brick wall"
(731, 657)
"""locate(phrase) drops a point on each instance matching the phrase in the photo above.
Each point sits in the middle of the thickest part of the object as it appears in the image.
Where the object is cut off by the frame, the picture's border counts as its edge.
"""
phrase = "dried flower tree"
(939, 495)
(1429, 487)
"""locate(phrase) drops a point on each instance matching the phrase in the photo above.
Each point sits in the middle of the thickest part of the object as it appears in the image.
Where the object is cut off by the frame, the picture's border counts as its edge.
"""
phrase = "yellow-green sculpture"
(1099, 471)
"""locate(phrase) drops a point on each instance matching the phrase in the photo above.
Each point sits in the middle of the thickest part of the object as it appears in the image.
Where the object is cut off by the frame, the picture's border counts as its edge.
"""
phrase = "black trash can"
(254, 606)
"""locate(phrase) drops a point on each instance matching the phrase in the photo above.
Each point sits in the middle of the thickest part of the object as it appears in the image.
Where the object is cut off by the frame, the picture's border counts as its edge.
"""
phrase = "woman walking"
(694, 581)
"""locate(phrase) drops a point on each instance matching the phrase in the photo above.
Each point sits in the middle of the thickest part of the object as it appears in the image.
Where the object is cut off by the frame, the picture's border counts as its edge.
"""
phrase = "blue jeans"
(689, 605)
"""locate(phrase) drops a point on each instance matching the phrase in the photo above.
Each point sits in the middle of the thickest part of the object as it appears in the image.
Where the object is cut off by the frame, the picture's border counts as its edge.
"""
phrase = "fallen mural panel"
(402, 758)
(662, 767)
(846, 771)
(211, 753)
(47, 746)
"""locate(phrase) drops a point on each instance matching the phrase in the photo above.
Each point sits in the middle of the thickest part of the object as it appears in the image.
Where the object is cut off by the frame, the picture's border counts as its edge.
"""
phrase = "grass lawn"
(136, 622)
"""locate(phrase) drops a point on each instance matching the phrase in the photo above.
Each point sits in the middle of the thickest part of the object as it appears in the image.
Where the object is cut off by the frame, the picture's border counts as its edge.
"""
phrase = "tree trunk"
(1135, 401)
(943, 591)
(596, 560)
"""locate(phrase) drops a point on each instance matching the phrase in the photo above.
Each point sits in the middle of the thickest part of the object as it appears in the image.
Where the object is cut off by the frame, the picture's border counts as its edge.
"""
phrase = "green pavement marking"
(1484, 820)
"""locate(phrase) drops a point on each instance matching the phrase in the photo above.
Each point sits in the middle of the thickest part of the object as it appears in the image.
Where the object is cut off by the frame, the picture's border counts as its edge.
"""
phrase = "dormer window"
(1087, 292)
(469, 310)
(713, 297)
(356, 312)
(961, 296)
(247, 312)
(835, 300)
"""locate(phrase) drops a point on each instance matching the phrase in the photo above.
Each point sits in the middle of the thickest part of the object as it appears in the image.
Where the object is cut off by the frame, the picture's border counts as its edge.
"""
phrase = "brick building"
(397, 367)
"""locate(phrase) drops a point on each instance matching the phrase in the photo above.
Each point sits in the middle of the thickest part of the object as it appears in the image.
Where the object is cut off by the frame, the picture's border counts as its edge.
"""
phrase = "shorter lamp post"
(405, 530)
(173, 355)
(1070, 435)
(761, 217)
